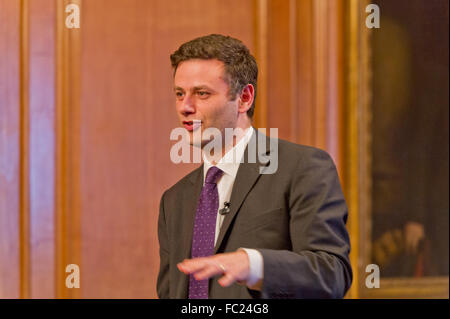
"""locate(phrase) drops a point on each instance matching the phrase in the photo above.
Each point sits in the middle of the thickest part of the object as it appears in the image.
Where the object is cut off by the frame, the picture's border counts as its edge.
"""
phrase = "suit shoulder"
(304, 152)
(183, 182)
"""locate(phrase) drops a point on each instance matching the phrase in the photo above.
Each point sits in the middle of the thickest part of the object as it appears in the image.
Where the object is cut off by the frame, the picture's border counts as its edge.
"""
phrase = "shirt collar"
(226, 163)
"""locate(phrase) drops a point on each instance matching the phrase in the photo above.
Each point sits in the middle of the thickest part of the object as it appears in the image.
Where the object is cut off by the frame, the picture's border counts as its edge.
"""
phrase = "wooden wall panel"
(10, 149)
(278, 71)
(335, 84)
(27, 149)
(115, 192)
(303, 69)
(86, 116)
(127, 113)
(319, 54)
(41, 87)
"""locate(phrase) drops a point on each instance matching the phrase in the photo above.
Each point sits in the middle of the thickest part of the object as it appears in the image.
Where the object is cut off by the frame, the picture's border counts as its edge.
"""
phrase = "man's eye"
(203, 93)
(178, 94)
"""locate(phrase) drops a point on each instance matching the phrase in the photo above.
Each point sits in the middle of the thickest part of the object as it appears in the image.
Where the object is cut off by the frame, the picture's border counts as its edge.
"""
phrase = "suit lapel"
(189, 207)
(246, 177)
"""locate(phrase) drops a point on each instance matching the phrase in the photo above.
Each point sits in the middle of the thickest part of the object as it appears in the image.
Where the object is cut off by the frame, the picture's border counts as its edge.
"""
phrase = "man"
(228, 229)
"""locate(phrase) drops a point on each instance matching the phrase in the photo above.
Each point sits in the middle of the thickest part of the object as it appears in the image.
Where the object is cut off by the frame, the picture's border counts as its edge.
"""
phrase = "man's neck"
(215, 158)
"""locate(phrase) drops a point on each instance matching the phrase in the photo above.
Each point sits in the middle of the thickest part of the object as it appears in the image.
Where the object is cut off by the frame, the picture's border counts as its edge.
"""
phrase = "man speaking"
(230, 228)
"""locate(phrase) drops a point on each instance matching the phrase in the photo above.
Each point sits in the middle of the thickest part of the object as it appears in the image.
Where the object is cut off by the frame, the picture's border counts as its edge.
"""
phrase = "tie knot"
(213, 175)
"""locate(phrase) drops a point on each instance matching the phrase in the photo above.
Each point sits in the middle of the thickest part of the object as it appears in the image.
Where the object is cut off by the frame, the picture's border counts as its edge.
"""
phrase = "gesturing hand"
(234, 267)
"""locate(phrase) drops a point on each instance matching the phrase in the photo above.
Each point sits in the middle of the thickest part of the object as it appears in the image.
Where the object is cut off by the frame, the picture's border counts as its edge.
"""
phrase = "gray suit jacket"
(295, 217)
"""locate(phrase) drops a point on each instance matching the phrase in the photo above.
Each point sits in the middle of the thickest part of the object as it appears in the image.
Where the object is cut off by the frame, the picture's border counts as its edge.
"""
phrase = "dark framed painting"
(401, 115)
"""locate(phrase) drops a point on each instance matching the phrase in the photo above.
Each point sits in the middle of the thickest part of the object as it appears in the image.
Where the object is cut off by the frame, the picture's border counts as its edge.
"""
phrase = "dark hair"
(240, 66)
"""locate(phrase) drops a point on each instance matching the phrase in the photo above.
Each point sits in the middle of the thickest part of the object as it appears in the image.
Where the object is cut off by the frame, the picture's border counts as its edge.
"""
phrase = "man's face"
(202, 96)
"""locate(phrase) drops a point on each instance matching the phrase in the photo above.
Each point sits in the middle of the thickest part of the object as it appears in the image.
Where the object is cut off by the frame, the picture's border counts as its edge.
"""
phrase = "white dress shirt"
(229, 164)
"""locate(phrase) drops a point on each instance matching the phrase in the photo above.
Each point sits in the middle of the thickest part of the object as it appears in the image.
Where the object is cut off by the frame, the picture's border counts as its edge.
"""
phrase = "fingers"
(189, 266)
(233, 266)
(201, 268)
(208, 272)
(226, 280)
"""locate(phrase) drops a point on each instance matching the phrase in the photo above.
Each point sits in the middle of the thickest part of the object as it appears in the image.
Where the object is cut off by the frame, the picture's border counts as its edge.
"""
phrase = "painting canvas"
(410, 139)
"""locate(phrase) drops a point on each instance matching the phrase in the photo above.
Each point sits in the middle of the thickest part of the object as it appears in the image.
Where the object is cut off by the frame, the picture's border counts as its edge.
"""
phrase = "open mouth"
(192, 125)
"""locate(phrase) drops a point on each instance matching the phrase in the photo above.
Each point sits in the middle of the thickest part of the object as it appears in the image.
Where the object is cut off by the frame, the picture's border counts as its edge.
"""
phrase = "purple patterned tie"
(204, 229)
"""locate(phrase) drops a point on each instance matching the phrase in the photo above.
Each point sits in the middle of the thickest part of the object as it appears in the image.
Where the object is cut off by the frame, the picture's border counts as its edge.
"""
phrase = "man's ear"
(246, 98)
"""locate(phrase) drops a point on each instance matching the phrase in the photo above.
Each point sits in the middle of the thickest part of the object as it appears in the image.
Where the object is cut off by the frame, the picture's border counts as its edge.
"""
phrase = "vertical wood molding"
(335, 102)
(261, 57)
(60, 182)
(352, 136)
(60, 153)
(321, 51)
(24, 153)
(293, 55)
(364, 119)
(74, 149)
(67, 209)
(305, 72)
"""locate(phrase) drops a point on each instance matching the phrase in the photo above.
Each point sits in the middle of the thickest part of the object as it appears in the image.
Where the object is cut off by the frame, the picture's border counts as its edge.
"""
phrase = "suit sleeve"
(162, 286)
(318, 265)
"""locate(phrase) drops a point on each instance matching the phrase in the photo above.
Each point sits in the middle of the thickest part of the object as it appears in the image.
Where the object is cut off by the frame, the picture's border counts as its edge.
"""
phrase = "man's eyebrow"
(202, 87)
(195, 88)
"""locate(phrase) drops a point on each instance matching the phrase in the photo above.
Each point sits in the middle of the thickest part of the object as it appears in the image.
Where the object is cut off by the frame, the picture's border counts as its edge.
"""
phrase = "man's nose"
(187, 106)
